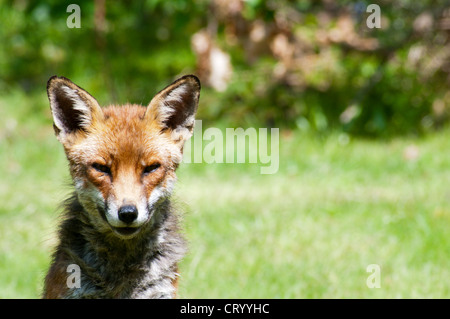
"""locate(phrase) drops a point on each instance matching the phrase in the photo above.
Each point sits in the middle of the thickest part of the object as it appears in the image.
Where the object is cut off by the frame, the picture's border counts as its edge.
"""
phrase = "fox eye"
(151, 168)
(102, 168)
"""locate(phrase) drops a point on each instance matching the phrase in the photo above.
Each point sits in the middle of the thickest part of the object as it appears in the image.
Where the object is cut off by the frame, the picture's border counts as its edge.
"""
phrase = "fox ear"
(73, 108)
(174, 107)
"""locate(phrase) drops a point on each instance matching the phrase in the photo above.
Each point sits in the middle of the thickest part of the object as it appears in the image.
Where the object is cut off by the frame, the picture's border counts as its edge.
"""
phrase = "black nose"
(128, 213)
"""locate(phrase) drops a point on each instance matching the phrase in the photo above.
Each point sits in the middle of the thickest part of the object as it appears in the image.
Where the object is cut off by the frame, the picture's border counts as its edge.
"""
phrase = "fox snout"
(128, 220)
(125, 217)
(130, 213)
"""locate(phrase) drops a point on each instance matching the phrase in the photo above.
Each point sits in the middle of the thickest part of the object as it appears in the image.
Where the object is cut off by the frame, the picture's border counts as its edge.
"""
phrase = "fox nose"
(128, 213)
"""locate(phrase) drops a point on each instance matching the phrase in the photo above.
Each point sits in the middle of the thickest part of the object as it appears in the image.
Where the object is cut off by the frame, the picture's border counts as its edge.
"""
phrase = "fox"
(119, 225)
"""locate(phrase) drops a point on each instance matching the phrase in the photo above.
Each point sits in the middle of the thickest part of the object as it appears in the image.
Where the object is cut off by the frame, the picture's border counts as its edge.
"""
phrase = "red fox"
(119, 227)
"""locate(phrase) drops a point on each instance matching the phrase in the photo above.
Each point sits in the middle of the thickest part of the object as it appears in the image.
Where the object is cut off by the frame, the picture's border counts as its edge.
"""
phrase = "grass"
(336, 205)
(311, 230)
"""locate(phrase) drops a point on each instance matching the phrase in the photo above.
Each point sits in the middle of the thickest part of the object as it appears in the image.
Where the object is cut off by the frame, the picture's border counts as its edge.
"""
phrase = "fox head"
(123, 158)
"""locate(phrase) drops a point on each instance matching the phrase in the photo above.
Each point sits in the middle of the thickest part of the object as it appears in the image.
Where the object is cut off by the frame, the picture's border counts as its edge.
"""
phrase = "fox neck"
(113, 262)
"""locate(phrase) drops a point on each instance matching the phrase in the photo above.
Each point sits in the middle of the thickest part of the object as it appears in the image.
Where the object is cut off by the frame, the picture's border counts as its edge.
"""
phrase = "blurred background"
(364, 139)
(313, 65)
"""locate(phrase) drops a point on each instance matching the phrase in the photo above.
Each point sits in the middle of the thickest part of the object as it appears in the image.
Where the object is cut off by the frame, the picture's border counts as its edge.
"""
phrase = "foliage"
(306, 64)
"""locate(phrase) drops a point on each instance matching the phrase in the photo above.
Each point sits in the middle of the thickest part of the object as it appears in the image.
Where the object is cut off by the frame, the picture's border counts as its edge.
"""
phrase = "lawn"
(336, 205)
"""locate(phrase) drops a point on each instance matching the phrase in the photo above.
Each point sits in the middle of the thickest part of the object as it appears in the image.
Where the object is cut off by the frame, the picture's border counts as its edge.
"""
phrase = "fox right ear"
(73, 108)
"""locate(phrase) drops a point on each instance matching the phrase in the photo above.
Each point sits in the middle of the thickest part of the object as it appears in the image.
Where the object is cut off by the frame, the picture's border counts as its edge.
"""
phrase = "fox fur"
(119, 226)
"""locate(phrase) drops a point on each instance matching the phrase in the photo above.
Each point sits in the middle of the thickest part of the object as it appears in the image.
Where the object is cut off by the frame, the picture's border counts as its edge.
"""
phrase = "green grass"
(335, 206)
(311, 230)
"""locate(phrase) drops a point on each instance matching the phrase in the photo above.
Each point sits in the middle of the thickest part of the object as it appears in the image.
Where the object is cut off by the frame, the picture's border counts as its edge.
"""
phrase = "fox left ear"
(174, 107)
